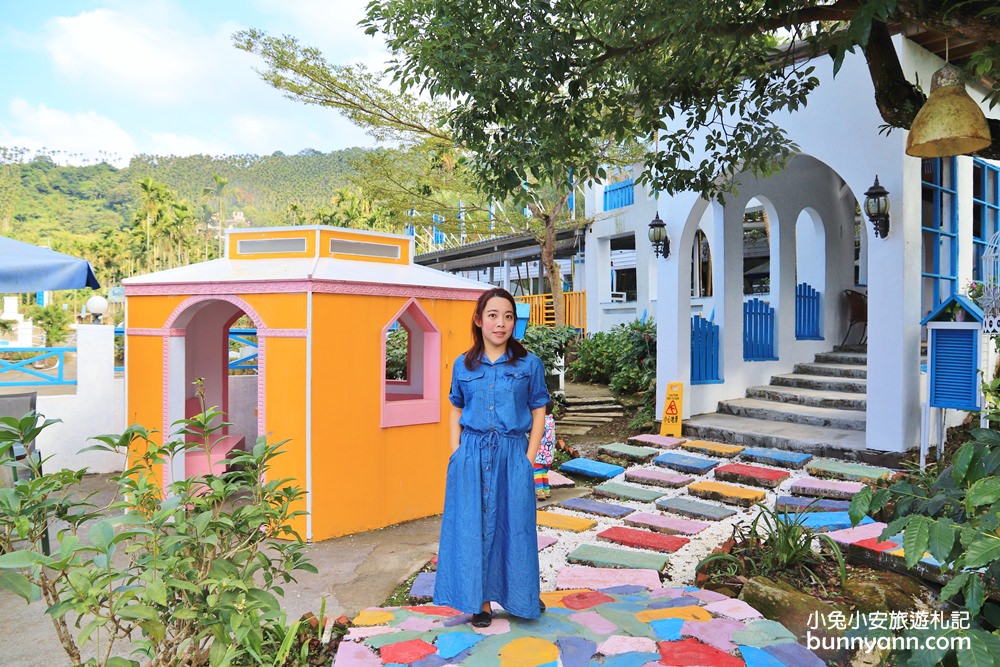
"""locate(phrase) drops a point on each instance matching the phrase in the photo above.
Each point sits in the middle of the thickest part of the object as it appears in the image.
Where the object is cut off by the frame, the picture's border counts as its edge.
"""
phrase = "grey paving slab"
(694, 509)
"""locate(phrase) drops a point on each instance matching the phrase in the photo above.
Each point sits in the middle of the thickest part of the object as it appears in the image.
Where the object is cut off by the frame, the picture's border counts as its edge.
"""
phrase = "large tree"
(535, 80)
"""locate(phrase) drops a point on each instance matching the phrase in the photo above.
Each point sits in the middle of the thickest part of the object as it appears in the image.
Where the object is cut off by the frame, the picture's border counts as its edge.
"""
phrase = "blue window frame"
(939, 224)
(985, 210)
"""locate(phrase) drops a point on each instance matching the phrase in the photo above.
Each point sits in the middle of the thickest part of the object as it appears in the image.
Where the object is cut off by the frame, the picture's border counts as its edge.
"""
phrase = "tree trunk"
(548, 255)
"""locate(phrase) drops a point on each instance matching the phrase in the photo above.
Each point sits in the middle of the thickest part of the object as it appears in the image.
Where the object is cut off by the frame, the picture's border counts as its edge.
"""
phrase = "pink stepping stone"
(419, 623)
(663, 441)
(693, 653)
(499, 626)
(665, 524)
(754, 475)
(643, 539)
(873, 544)
(657, 477)
(405, 653)
(735, 609)
(585, 600)
(595, 578)
(824, 488)
(435, 610)
(857, 533)
(351, 654)
(594, 622)
(617, 644)
(717, 632)
(546, 541)
(557, 480)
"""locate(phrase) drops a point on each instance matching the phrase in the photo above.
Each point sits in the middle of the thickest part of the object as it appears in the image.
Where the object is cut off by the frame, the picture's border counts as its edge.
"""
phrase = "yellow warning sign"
(672, 410)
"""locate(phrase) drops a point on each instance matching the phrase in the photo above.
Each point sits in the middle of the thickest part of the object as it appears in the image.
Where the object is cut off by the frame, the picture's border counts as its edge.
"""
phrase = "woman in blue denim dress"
(489, 549)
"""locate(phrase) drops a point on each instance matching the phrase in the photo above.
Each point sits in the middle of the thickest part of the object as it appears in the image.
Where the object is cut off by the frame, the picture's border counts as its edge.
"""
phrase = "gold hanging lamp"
(950, 122)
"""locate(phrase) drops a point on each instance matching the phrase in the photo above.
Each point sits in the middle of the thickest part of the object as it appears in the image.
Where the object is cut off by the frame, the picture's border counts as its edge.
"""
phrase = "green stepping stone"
(378, 641)
(627, 622)
(763, 633)
(854, 472)
(590, 554)
(694, 509)
(630, 452)
(627, 492)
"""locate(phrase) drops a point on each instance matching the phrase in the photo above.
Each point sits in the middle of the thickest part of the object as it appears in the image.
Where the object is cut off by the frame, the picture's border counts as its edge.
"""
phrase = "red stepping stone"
(753, 475)
(692, 653)
(873, 544)
(643, 539)
(585, 600)
(434, 610)
(406, 653)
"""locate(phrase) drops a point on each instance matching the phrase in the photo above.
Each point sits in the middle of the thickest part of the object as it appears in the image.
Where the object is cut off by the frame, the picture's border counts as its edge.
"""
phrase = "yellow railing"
(542, 312)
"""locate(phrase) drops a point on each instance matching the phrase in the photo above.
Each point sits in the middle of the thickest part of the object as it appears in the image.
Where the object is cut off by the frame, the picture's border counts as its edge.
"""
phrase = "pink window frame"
(425, 406)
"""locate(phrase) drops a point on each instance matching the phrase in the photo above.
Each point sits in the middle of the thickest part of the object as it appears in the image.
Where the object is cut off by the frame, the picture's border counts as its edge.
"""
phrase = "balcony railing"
(543, 313)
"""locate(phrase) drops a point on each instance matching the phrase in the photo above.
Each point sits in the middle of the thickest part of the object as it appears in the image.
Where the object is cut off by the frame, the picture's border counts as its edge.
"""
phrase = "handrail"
(38, 354)
(543, 313)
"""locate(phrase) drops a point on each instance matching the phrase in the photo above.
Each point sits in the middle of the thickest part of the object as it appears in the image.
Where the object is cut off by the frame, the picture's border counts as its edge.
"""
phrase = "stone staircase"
(818, 408)
(583, 413)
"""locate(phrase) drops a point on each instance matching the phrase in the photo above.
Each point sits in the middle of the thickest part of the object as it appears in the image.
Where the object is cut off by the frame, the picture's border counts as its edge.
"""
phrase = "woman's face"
(497, 322)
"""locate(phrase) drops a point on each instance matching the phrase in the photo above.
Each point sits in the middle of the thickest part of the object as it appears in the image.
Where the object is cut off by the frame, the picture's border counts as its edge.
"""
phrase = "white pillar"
(963, 179)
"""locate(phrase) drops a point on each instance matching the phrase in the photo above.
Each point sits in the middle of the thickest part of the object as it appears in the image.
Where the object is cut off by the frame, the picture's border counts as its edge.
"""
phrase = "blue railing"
(807, 304)
(758, 331)
(619, 194)
(704, 351)
(241, 336)
(36, 377)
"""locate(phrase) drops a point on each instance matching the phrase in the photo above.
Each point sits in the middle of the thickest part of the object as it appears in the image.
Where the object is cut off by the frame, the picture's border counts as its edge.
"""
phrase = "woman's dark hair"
(514, 347)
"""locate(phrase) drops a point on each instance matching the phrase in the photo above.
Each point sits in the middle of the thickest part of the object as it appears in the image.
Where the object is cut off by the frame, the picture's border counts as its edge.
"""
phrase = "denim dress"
(489, 544)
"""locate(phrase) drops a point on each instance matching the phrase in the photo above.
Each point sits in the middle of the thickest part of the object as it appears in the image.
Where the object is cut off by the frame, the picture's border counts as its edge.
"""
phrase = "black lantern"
(658, 237)
(877, 208)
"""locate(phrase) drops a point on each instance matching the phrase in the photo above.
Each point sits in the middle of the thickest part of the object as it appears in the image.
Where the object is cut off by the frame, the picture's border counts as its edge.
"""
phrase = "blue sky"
(87, 79)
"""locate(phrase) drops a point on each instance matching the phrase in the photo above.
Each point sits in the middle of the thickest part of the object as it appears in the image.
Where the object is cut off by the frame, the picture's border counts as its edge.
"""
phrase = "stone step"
(823, 382)
(776, 457)
(422, 589)
(599, 556)
(557, 481)
(576, 577)
(694, 509)
(756, 408)
(817, 440)
(741, 473)
(806, 504)
(856, 358)
(685, 463)
(600, 410)
(665, 524)
(817, 398)
(726, 493)
(825, 488)
(621, 491)
(710, 448)
(573, 524)
(656, 477)
(590, 506)
(661, 441)
(574, 430)
(607, 414)
(573, 420)
(643, 539)
(852, 472)
(591, 468)
(857, 371)
(592, 400)
(630, 452)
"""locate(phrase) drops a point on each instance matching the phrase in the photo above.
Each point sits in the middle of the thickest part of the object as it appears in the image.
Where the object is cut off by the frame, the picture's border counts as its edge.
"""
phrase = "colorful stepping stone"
(602, 578)
(738, 610)
(528, 652)
(692, 653)
(689, 464)
(423, 587)
(627, 492)
(669, 629)
(661, 441)
(593, 621)
(873, 544)
(688, 613)
(630, 452)
(598, 556)
(450, 644)
(858, 533)
(825, 488)
(758, 657)
(726, 493)
(794, 654)
(805, 504)
(557, 481)
(665, 524)
(546, 541)
(642, 539)
(776, 457)
(853, 472)
(617, 644)
(351, 654)
(656, 477)
(555, 598)
(407, 652)
(575, 651)
(373, 617)
(591, 468)
(712, 448)
(740, 473)
(694, 509)
(563, 522)
(595, 507)
(823, 522)
(717, 632)
(585, 600)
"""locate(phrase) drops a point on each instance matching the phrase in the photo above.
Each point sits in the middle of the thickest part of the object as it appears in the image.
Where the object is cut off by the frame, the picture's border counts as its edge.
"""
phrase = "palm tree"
(154, 197)
(218, 191)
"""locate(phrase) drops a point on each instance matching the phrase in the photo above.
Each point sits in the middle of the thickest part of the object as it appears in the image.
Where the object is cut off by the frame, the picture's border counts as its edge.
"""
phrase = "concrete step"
(591, 468)
(726, 493)
(597, 556)
(833, 370)
(850, 472)
(756, 408)
(772, 457)
(741, 473)
(555, 521)
(643, 539)
(817, 398)
(610, 407)
(590, 506)
(594, 414)
(660, 523)
(860, 358)
(662, 441)
(816, 440)
(694, 509)
(630, 452)
(656, 477)
(823, 382)
(825, 488)
(591, 400)
(570, 429)
(576, 420)
(694, 465)
(709, 448)
(619, 491)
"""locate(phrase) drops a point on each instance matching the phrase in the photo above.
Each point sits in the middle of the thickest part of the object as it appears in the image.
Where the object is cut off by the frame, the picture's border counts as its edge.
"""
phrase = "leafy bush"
(596, 359)
(549, 344)
(54, 321)
(397, 348)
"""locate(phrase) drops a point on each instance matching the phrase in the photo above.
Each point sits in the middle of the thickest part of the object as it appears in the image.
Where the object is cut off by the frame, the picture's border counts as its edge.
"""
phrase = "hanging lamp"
(950, 122)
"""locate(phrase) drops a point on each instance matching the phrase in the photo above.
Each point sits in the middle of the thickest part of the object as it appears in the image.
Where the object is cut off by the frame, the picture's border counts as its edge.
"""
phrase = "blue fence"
(242, 337)
(807, 304)
(619, 194)
(27, 373)
(704, 351)
(758, 331)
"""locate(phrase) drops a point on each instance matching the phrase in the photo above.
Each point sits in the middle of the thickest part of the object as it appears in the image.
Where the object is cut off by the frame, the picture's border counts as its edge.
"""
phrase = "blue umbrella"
(28, 268)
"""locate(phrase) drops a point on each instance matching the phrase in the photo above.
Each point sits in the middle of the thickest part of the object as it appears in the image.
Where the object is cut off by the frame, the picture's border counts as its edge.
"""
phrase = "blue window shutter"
(954, 371)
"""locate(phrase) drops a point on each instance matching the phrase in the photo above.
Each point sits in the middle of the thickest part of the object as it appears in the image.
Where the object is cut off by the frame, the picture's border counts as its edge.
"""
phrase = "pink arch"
(235, 300)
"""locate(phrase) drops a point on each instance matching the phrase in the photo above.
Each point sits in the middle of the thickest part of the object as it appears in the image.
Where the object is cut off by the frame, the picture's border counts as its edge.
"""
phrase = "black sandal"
(541, 605)
(482, 619)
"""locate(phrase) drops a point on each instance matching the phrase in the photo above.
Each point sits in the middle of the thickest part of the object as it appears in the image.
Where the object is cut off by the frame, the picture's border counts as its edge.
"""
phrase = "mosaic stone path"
(619, 597)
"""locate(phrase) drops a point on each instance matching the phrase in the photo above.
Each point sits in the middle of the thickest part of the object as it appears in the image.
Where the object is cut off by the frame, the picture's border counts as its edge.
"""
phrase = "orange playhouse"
(370, 452)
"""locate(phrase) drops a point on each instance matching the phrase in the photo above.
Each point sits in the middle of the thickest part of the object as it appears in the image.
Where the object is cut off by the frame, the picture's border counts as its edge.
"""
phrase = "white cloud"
(168, 143)
(71, 138)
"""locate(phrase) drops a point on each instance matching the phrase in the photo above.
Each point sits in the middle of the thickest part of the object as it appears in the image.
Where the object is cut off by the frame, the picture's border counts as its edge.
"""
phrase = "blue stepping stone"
(595, 507)
(591, 468)
(423, 586)
(776, 457)
(683, 601)
(757, 657)
(624, 589)
(824, 521)
(630, 659)
(575, 651)
(451, 644)
(691, 464)
(804, 504)
(794, 654)
(668, 629)
(433, 660)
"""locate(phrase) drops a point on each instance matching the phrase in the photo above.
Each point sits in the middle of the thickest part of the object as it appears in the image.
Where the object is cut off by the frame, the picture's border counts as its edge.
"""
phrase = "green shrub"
(595, 360)
(397, 348)
(54, 321)
(549, 344)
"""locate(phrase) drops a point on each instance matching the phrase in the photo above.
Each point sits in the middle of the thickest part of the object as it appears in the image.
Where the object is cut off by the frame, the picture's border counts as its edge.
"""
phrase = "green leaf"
(941, 539)
(859, 505)
(975, 594)
(982, 551)
(101, 534)
(142, 611)
(19, 585)
(960, 463)
(978, 654)
(118, 661)
(156, 592)
(954, 585)
(20, 559)
(915, 539)
(984, 492)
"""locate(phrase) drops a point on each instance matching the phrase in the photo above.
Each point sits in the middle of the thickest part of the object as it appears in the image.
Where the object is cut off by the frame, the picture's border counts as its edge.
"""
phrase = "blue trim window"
(939, 224)
(985, 211)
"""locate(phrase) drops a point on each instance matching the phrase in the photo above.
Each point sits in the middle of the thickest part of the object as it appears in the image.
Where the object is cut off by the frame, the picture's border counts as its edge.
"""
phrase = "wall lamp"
(658, 237)
(877, 208)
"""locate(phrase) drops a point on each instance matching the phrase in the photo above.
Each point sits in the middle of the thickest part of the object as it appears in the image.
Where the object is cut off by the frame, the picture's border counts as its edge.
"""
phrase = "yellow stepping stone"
(563, 522)
(555, 598)
(528, 652)
(727, 493)
(712, 448)
(691, 613)
(373, 617)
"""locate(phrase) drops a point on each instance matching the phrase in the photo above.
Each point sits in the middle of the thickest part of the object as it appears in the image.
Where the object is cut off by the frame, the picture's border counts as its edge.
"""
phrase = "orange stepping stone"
(689, 613)
(726, 493)
(712, 448)
(373, 617)
(528, 652)
(563, 522)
